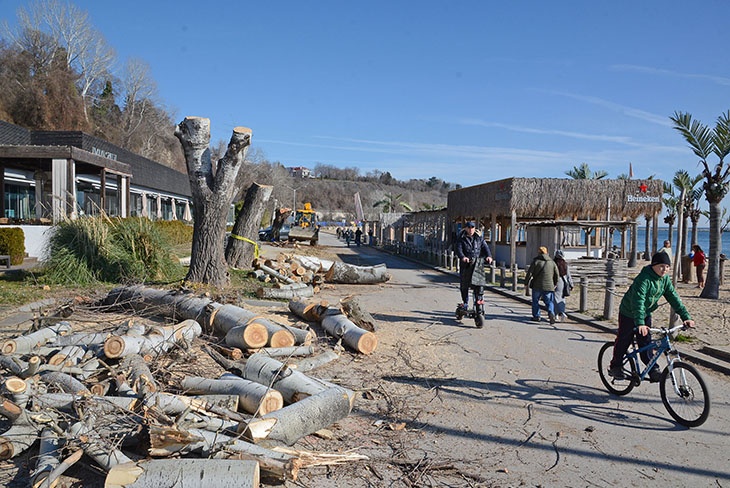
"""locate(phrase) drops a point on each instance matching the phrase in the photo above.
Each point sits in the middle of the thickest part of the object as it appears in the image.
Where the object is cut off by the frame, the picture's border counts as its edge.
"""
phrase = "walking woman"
(564, 286)
(699, 261)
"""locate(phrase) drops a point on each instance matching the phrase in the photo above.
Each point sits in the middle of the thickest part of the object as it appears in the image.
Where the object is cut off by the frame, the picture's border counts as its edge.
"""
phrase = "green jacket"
(642, 297)
(542, 274)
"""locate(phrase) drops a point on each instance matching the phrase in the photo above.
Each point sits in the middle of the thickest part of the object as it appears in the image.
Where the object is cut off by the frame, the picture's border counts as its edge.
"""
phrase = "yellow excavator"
(305, 226)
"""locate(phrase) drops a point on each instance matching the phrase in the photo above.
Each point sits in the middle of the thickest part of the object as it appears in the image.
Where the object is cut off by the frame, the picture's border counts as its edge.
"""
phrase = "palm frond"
(697, 135)
(722, 136)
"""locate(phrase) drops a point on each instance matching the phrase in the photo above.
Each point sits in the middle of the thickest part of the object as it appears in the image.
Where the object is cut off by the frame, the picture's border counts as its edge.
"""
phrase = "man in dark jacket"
(470, 247)
(542, 277)
(641, 299)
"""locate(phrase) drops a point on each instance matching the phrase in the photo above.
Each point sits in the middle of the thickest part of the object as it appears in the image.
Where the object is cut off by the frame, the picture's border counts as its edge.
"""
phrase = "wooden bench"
(6, 259)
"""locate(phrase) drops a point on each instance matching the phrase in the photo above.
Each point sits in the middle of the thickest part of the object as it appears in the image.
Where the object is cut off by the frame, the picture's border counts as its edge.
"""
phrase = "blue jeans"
(547, 299)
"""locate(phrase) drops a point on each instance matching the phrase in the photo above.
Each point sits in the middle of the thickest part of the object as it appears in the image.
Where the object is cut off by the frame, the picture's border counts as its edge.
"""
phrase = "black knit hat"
(660, 258)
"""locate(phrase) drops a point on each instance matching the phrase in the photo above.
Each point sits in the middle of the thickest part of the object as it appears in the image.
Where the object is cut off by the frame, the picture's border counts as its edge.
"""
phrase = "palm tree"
(705, 141)
(390, 203)
(683, 181)
(694, 212)
(583, 172)
(671, 204)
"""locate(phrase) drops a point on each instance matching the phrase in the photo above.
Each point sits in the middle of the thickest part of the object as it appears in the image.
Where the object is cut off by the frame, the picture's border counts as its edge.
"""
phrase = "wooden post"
(492, 273)
(513, 241)
(71, 189)
(102, 191)
(121, 204)
(588, 241)
(654, 234)
(647, 255)
(608, 302)
(583, 294)
(493, 236)
(609, 234)
(514, 278)
(2, 191)
(632, 252)
(623, 242)
(502, 273)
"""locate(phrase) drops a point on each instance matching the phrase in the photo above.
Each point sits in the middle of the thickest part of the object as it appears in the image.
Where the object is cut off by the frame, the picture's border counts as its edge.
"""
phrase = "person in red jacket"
(699, 261)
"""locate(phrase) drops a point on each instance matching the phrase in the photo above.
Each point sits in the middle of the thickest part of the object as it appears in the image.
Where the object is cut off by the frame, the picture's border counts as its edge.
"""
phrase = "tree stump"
(239, 253)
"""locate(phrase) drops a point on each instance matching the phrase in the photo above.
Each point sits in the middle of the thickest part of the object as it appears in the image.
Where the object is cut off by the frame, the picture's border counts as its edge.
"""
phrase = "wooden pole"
(632, 252)
(513, 241)
(583, 294)
(608, 301)
(654, 233)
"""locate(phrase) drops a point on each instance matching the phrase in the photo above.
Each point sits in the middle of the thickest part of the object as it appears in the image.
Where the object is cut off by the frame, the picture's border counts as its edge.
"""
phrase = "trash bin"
(688, 270)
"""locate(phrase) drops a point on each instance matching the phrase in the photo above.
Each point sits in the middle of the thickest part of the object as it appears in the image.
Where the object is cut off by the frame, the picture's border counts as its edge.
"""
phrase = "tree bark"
(308, 364)
(358, 314)
(284, 352)
(351, 274)
(212, 196)
(184, 473)
(26, 343)
(240, 254)
(280, 216)
(338, 325)
(49, 456)
(253, 397)
(305, 291)
(251, 336)
(309, 311)
(712, 284)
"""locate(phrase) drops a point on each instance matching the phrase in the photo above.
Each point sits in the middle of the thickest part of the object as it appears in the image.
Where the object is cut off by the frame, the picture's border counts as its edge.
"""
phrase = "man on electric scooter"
(641, 299)
(470, 249)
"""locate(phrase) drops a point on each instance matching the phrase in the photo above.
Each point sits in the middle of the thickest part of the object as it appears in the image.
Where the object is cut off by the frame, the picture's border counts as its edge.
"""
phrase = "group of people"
(699, 260)
(550, 281)
(349, 235)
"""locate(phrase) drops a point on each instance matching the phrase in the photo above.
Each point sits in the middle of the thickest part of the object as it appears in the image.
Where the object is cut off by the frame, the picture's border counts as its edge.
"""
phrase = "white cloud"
(659, 71)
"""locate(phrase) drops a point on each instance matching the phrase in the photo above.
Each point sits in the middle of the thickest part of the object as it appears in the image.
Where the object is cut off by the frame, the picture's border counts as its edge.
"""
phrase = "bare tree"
(139, 92)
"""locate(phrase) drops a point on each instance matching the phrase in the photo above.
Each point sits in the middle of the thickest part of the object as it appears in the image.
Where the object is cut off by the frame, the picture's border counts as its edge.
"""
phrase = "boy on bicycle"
(641, 299)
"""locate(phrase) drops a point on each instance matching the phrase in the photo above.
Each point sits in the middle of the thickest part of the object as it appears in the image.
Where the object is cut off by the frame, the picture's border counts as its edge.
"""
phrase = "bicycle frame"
(663, 346)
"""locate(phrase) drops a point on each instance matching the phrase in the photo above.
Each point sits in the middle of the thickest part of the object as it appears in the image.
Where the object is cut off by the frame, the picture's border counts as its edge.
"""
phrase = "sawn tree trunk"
(240, 253)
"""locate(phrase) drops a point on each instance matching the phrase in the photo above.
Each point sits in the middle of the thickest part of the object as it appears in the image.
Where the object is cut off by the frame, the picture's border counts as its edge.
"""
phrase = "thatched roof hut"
(557, 198)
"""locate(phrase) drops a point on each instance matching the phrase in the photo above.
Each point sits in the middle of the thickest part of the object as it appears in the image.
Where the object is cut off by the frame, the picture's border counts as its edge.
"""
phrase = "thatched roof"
(557, 198)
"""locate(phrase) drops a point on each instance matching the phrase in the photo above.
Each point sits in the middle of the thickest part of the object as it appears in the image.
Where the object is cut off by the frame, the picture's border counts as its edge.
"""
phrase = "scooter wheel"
(459, 314)
(479, 321)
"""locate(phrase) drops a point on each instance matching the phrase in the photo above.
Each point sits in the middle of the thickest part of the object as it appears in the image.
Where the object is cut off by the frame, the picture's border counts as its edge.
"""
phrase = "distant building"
(300, 172)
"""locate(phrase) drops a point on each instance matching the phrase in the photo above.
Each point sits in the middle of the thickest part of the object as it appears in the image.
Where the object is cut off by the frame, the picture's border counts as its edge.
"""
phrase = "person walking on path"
(699, 260)
(348, 236)
(370, 237)
(542, 277)
(358, 236)
(641, 299)
(472, 250)
(668, 250)
(564, 287)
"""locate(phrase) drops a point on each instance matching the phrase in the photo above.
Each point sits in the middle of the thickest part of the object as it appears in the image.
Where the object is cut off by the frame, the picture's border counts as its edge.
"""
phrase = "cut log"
(26, 343)
(275, 274)
(185, 331)
(81, 339)
(293, 385)
(165, 442)
(284, 352)
(166, 303)
(280, 216)
(226, 317)
(302, 337)
(309, 311)
(140, 377)
(252, 397)
(317, 265)
(308, 364)
(66, 401)
(66, 382)
(184, 473)
(285, 293)
(360, 275)
(158, 340)
(13, 364)
(239, 253)
(355, 311)
(175, 404)
(303, 417)
(338, 325)
(22, 434)
(68, 356)
(247, 336)
(33, 364)
(49, 457)
(104, 455)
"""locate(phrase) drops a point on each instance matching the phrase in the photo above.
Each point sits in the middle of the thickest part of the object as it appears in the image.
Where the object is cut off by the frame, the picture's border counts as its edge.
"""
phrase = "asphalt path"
(525, 398)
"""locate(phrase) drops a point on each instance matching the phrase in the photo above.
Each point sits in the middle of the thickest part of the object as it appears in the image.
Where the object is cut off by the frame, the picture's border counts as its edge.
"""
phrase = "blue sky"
(465, 91)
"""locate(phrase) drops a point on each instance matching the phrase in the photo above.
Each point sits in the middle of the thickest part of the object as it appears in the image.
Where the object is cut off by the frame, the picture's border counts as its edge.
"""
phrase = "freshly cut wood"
(66, 382)
(160, 339)
(240, 253)
(174, 404)
(293, 385)
(358, 314)
(314, 263)
(338, 325)
(68, 356)
(165, 303)
(303, 417)
(270, 263)
(81, 339)
(184, 473)
(53, 476)
(309, 311)
(252, 397)
(229, 352)
(302, 337)
(187, 330)
(247, 336)
(49, 457)
(308, 364)
(33, 364)
(362, 275)
(140, 377)
(275, 274)
(104, 455)
(165, 442)
(284, 352)
(65, 402)
(226, 317)
(22, 434)
(285, 293)
(26, 343)
(13, 364)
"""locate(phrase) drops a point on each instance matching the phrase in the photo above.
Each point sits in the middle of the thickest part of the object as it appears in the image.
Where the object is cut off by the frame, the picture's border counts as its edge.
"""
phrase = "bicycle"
(682, 388)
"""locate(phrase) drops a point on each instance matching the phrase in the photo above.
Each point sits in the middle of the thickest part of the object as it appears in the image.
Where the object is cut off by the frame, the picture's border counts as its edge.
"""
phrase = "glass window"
(19, 201)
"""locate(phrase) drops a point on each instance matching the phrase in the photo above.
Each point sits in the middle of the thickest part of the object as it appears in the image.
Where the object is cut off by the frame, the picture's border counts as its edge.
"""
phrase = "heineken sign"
(645, 198)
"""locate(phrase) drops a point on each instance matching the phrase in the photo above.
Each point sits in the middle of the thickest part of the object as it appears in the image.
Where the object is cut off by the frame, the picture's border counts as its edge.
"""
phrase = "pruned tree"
(242, 242)
(213, 193)
(704, 142)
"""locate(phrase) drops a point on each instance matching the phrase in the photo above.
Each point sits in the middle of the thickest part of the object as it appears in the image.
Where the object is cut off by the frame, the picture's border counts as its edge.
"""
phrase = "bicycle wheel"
(615, 386)
(685, 395)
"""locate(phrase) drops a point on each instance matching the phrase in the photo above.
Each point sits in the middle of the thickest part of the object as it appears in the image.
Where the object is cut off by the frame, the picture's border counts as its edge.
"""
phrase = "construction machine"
(305, 226)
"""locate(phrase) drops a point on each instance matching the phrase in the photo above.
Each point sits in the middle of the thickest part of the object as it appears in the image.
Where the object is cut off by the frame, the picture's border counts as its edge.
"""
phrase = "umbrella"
(174, 210)
(159, 206)
(187, 217)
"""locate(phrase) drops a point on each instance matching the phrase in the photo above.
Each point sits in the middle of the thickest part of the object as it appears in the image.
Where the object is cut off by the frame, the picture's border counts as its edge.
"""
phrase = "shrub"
(175, 231)
(92, 249)
(12, 243)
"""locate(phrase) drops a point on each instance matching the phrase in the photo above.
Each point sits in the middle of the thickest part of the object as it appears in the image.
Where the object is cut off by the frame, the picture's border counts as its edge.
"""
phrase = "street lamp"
(294, 208)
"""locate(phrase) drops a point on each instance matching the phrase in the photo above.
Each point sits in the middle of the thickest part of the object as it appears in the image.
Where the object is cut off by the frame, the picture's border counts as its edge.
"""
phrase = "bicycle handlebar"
(667, 331)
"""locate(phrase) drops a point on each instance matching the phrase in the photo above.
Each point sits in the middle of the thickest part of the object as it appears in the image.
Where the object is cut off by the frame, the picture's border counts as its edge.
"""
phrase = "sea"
(703, 239)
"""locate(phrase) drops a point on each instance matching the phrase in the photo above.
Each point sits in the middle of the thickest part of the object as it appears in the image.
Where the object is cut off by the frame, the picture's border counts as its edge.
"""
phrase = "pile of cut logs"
(303, 276)
(95, 393)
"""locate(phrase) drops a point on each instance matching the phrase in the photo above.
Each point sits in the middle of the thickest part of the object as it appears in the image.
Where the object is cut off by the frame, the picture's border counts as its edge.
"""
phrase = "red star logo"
(643, 187)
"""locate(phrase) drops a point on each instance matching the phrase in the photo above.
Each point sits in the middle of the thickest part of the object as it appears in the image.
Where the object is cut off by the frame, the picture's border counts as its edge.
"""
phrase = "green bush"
(175, 231)
(12, 243)
(88, 250)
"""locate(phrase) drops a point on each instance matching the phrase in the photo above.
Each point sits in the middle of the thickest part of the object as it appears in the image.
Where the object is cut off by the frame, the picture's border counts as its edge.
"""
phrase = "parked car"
(265, 234)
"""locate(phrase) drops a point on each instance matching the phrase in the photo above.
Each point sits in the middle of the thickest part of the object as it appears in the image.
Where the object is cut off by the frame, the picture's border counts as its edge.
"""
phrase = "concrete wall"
(36, 239)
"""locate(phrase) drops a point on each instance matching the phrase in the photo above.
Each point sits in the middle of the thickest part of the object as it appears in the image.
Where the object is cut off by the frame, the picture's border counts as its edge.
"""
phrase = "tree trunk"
(25, 344)
(647, 255)
(305, 291)
(212, 196)
(669, 235)
(49, 456)
(685, 233)
(184, 473)
(694, 229)
(712, 284)
(338, 325)
(309, 364)
(351, 274)
(358, 314)
(252, 396)
(240, 254)
(309, 311)
(284, 352)
(280, 217)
